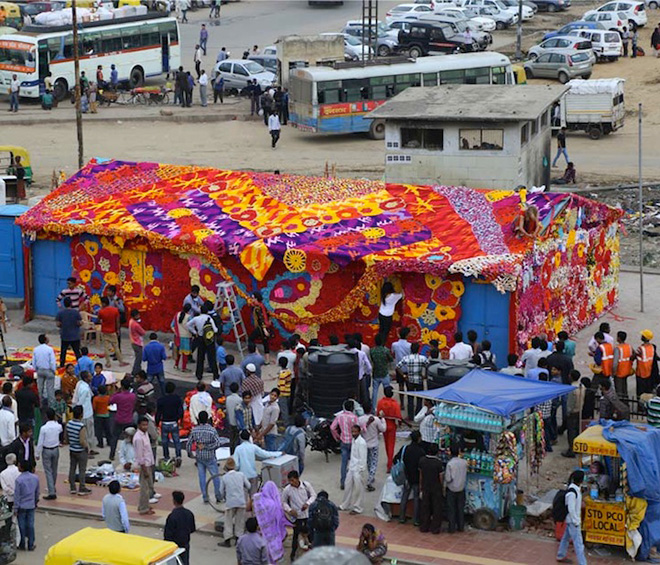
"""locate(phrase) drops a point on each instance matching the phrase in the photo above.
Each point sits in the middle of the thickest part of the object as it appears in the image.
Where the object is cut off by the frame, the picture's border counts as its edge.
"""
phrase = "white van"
(607, 45)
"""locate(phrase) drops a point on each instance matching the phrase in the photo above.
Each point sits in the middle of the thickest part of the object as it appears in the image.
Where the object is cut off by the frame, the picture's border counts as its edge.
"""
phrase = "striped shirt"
(77, 295)
(284, 382)
(73, 433)
(427, 427)
(653, 412)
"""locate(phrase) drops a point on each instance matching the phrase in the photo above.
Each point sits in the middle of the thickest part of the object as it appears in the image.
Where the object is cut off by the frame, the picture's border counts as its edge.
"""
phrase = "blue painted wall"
(486, 311)
(11, 253)
(51, 266)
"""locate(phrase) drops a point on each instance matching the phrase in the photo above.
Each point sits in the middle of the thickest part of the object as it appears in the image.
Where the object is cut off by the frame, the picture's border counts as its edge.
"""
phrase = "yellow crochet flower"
(111, 278)
(85, 275)
(295, 260)
(432, 281)
(444, 313)
(91, 247)
(155, 291)
(457, 288)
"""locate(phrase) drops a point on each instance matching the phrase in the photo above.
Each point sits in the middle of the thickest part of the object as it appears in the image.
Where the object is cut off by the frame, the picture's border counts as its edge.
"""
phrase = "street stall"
(623, 509)
(491, 416)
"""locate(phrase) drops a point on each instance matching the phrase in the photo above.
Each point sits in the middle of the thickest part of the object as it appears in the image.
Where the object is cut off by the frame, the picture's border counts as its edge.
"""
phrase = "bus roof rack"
(36, 28)
(371, 62)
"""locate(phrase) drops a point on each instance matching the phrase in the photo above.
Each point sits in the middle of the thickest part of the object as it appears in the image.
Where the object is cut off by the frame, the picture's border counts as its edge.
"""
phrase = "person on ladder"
(262, 325)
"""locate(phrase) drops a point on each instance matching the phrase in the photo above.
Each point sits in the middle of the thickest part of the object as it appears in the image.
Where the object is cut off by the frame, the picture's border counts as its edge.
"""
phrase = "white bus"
(329, 100)
(139, 46)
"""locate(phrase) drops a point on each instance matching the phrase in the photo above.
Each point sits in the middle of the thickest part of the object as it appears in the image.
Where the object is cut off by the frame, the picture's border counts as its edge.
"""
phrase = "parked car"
(514, 4)
(386, 44)
(502, 19)
(568, 28)
(460, 28)
(269, 50)
(482, 23)
(528, 11)
(634, 11)
(494, 4)
(614, 21)
(563, 43)
(562, 65)
(428, 37)
(268, 62)
(405, 10)
(380, 26)
(607, 45)
(353, 47)
(552, 5)
(237, 73)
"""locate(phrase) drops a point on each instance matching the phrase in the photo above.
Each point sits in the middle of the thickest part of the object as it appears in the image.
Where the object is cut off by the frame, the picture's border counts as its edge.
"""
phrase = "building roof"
(470, 102)
(305, 224)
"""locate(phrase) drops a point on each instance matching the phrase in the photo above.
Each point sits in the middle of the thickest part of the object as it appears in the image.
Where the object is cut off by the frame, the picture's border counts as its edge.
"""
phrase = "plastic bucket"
(517, 516)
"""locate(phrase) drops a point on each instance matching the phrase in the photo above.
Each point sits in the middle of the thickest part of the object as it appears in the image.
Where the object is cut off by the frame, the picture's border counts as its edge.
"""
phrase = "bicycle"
(211, 493)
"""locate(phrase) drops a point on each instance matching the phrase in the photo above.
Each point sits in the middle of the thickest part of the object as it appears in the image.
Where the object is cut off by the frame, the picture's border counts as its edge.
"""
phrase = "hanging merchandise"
(534, 438)
(506, 459)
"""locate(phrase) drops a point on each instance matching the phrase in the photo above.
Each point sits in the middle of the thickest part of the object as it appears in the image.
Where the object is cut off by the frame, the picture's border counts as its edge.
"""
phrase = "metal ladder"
(369, 28)
(227, 296)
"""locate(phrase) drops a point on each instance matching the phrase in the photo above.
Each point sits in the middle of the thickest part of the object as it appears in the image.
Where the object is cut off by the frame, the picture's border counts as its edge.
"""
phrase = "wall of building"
(313, 50)
(506, 168)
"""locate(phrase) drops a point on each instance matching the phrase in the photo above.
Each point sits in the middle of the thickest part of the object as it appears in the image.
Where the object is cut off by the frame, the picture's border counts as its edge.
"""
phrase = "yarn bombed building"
(319, 249)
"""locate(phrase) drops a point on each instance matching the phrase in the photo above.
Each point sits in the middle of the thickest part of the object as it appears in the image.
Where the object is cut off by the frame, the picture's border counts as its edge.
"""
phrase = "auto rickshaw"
(94, 546)
(10, 15)
(519, 74)
(7, 155)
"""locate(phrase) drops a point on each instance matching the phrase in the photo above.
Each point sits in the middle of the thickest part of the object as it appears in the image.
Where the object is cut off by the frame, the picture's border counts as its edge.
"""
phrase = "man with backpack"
(295, 442)
(485, 358)
(323, 520)
(567, 506)
(297, 497)
(203, 329)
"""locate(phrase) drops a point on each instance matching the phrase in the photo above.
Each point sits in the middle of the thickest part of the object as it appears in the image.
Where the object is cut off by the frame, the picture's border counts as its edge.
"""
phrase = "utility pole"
(76, 70)
(641, 212)
(519, 31)
(369, 28)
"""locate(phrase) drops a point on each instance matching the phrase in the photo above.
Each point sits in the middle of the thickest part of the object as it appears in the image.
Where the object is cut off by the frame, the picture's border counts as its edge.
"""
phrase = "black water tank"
(333, 378)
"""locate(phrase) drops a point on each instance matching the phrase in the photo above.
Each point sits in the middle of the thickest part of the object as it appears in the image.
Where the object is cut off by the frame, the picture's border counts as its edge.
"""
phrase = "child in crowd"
(284, 384)
(100, 404)
(84, 362)
(98, 378)
(221, 354)
(61, 407)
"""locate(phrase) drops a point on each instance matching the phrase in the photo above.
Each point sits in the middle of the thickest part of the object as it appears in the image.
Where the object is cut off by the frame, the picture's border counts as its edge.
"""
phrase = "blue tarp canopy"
(496, 392)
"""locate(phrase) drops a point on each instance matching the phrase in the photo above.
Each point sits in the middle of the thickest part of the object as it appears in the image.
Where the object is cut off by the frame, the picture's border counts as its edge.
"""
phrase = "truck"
(595, 106)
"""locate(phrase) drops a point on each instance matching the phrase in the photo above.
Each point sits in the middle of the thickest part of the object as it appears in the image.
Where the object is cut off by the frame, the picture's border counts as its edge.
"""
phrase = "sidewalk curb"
(176, 118)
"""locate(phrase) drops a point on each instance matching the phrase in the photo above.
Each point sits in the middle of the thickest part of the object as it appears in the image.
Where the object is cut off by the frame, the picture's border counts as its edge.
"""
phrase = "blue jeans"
(561, 151)
(374, 393)
(212, 467)
(272, 442)
(26, 527)
(345, 456)
(572, 532)
(13, 105)
(170, 429)
(405, 495)
(161, 381)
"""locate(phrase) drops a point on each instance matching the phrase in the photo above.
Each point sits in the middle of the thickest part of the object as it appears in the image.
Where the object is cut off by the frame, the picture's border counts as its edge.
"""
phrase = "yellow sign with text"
(605, 522)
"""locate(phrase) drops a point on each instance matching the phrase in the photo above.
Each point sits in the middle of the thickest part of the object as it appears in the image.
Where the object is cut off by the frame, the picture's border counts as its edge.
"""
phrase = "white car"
(269, 50)
(482, 23)
(614, 21)
(353, 47)
(563, 43)
(495, 4)
(605, 44)
(634, 11)
(238, 72)
(407, 11)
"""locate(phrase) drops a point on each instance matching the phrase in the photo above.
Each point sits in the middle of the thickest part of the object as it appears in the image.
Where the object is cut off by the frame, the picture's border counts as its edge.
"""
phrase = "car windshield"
(461, 26)
(501, 5)
(612, 37)
(353, 40)
(402, 9)
(253, 67)
(579, 57)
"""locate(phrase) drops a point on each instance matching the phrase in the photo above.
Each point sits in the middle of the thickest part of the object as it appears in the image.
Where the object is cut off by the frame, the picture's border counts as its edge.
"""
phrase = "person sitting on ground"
(372, 544)
(126, 451)
(569, 175)
(527, 224)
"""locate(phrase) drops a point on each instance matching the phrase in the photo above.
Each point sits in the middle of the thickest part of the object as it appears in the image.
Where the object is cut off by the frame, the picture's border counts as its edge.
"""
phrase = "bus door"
(43, 64)
(165, 51)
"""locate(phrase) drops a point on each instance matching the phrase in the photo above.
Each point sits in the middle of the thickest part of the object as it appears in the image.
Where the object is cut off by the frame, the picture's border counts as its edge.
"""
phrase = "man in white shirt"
(373, 428)
(604, 328)
(573, 499)
(8, 390)
(297, 497)
(197, 59)
(48, 449)
(14, 90)
(274, 129)
(82, 395)
(205, 346)
(43, 362)
(200, 401)
(364, 369)
(530, 358)
(203, 84)
(8, 478)
(356, 478)
(7, 422)
(461, 351)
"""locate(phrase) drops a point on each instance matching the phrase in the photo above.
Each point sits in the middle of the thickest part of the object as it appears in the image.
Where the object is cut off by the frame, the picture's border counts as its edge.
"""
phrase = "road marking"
(420, 551)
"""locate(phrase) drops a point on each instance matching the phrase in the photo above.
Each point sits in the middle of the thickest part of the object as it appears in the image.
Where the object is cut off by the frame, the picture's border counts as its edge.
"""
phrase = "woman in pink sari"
(268, 510)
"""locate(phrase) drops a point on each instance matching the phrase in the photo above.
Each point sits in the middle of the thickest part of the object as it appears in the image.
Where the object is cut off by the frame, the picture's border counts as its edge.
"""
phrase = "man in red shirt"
(389, 409)
(110, 327)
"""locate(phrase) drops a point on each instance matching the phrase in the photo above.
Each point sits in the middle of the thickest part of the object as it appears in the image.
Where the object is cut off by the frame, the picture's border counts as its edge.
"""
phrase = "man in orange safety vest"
(647, 365)
(624, 356)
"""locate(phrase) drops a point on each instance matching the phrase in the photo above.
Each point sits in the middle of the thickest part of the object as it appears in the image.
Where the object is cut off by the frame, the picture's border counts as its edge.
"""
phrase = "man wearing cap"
(74, 292)
(647, 366)
(254, 357)
(255, 385)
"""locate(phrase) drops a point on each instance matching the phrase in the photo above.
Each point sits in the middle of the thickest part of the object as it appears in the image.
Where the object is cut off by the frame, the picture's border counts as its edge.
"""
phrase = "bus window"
(55, 48)
(499, 75)
(477, 76)
(110, 41)
(130, 38)
(68, 47)
(170, 27)
(91, 43)
(150, 35)
(404, 81)
(329, 92)
(355, 90)
(453, 77)
(381, 87)
(430, 79)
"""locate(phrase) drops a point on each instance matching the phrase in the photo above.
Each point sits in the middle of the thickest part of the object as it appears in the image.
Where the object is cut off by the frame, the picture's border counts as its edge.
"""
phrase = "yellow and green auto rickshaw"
(8, 154)
(10, 15)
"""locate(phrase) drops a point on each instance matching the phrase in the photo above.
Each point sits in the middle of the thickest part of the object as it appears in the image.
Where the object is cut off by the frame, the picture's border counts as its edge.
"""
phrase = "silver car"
(563, 43)
(385, 43)
(238, 72)
(561, 65)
